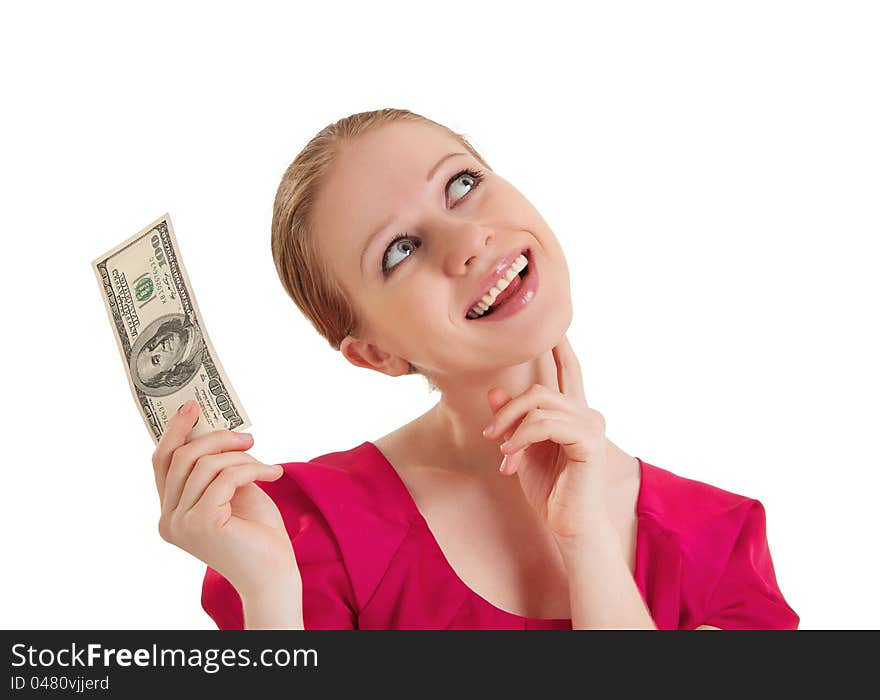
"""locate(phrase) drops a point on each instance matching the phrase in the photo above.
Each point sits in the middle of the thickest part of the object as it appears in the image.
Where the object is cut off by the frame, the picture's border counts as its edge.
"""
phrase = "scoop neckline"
(412, 506)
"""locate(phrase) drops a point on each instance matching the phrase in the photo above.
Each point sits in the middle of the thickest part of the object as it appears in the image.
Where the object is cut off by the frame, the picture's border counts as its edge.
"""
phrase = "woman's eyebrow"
(433, 170)
(431, 173)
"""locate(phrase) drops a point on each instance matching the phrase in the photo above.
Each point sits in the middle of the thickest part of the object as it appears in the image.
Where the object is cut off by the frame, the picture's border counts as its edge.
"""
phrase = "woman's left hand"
(556, 444)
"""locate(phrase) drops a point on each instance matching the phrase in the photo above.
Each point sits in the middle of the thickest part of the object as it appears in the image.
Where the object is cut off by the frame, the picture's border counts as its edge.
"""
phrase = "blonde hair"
(305, 276)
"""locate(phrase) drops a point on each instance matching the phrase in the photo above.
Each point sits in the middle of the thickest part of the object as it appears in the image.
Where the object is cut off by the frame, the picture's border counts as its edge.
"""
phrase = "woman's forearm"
(602, 591)
(276, 607)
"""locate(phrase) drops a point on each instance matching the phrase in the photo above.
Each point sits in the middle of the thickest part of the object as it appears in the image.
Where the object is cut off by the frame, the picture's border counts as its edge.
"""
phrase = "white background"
(711, 170)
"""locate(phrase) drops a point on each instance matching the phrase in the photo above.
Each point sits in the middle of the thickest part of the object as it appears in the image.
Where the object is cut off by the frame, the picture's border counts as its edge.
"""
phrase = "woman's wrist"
(600, 536)
(276, 605)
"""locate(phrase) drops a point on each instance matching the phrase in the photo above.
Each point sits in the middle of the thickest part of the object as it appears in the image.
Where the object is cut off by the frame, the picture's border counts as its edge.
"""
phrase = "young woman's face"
(413, 294)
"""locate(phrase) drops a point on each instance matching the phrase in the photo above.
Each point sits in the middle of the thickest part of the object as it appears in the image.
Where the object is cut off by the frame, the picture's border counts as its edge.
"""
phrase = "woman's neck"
(450, 434)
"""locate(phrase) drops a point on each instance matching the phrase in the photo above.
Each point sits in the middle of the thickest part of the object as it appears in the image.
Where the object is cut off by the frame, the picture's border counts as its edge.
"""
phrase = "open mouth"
(510, 291)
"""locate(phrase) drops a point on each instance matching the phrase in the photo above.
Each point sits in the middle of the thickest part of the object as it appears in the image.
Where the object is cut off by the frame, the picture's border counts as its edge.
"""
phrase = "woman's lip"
(520, 299)
(493, 276)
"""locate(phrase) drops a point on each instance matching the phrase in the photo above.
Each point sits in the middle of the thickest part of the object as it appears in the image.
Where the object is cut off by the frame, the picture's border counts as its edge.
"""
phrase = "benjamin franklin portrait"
(166, 355)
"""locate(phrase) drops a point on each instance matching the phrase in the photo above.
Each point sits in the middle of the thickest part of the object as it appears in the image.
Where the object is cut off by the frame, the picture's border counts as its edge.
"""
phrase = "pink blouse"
(369, 561)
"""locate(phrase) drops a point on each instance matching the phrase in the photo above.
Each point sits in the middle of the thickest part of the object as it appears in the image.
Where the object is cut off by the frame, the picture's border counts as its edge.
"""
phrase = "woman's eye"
(404, 244)
(468, 176)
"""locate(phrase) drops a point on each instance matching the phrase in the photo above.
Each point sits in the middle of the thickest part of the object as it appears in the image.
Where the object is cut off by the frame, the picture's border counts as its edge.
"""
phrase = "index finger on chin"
(571, 381)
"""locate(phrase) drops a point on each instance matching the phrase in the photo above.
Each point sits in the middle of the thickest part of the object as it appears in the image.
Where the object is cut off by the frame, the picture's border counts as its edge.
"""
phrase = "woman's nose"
(466, 242)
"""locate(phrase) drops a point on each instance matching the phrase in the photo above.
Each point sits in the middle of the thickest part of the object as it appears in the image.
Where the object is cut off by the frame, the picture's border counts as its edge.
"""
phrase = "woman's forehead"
(373, 179)
(392, 154)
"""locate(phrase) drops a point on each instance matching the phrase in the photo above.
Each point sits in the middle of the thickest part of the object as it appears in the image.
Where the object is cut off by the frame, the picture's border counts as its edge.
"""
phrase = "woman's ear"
(362, 353)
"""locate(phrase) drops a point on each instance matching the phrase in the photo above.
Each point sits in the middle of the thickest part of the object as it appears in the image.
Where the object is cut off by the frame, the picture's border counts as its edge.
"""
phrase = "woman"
(410, 255)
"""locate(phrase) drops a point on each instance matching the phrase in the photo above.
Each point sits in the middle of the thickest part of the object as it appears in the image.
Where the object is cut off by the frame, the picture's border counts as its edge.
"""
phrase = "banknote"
(166, 352)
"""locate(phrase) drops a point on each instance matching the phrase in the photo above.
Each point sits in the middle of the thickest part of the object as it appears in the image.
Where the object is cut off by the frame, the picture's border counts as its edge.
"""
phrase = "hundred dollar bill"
(165, 348)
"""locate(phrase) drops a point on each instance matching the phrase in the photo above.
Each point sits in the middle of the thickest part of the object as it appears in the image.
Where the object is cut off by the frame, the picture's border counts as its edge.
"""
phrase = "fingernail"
(244, 437)
(504, 446)
(488, 429)
(503, 462)
(184, 407)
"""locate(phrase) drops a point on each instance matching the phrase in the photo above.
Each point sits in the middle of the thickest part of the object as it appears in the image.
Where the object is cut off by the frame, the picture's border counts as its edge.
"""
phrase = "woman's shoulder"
(344, 505)
(716, 541)
(349, 484)
(689, 507)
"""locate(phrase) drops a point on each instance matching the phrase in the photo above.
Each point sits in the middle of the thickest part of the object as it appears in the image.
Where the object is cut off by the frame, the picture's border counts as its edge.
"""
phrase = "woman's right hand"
(212, 508)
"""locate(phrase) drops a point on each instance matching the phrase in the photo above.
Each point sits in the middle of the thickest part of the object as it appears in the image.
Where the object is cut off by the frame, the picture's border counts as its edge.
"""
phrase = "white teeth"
(489, 298)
